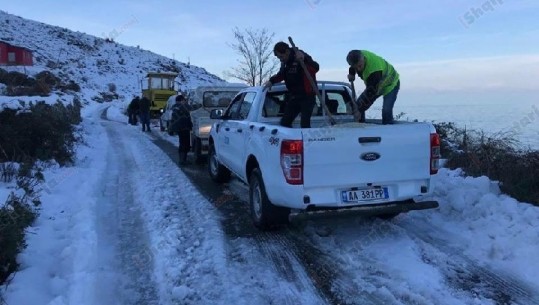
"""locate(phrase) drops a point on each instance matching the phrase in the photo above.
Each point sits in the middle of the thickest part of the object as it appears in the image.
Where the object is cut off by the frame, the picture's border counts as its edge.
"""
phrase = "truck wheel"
(218, 172)
(264, 214)
(197, 149)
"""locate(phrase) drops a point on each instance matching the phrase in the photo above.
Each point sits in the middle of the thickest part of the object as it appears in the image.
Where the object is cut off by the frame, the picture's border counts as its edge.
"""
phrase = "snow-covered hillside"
(91, 62)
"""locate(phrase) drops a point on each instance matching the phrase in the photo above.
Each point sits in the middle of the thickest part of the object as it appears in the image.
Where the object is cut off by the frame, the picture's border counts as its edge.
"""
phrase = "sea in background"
(492, 112)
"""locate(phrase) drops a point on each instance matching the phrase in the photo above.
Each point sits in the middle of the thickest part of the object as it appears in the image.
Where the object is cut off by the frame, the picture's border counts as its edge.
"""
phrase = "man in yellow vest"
(380, 79)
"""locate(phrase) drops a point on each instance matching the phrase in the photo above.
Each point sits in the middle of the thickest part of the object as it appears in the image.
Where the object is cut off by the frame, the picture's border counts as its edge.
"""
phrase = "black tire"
(218, 172)
(161, 127)
(197, 150)
(264, 214)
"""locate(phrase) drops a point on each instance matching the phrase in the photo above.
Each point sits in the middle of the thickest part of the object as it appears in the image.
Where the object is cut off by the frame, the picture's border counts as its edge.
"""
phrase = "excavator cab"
(158, 87)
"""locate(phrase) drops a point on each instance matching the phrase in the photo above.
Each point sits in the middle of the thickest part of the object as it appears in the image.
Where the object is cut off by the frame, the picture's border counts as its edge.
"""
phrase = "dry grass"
(498, 156)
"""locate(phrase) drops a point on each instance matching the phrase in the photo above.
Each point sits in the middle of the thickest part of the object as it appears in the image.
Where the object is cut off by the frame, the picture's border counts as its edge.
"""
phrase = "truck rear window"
(217, 98)
(338, 102)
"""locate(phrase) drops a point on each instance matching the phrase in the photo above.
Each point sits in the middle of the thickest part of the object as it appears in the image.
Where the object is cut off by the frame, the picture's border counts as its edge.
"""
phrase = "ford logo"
(370, 156)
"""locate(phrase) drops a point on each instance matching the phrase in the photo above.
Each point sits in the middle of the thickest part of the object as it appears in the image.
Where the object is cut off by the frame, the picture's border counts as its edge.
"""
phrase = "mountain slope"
(91, 62)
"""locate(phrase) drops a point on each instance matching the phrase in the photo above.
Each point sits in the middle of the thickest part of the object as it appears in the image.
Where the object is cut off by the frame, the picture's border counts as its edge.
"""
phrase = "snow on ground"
(126, 223)
(492, 227)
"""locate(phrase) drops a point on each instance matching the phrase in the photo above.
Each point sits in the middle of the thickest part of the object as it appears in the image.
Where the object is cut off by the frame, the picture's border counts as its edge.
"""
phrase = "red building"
(13, 55)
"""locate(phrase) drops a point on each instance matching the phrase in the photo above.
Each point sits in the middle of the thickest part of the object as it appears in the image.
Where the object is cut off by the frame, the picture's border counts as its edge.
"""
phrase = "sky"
(447, 45)
(109, 235)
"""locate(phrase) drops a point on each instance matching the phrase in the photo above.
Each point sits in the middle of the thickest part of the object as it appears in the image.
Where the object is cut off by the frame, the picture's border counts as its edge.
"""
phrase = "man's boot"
(184, 158)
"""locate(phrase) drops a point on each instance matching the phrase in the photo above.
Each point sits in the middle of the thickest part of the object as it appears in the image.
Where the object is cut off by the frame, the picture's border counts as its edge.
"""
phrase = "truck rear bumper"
(313, 212)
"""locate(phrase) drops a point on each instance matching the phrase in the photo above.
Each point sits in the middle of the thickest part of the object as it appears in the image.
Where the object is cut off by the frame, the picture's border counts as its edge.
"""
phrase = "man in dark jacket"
(182, 125)
(132, 110)
(381, 79)
(145, 113)
(301, 97)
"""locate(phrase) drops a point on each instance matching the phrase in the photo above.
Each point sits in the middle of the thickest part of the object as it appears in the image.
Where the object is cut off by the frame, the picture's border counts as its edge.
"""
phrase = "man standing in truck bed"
(380, 78)
(301, 96)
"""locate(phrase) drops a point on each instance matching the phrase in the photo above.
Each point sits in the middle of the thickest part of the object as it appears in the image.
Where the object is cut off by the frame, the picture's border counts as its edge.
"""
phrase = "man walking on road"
(380, 79)
(301, 97)
(182, 125)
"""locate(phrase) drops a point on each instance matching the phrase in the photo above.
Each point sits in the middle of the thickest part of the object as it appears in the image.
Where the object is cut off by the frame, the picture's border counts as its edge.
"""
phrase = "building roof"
(12, 45)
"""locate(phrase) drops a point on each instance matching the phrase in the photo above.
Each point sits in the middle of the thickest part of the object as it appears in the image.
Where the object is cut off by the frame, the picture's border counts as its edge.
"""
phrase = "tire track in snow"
(293, 256)
(120, 222)
(466, 274)
(297, 285)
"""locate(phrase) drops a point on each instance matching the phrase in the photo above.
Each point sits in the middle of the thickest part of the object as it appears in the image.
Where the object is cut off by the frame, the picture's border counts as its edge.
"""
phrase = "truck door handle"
(227, 129)
(364, 140)
(239, 130)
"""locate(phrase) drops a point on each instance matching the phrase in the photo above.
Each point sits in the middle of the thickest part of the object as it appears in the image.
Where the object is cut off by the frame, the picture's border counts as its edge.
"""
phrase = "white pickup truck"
(359, 166)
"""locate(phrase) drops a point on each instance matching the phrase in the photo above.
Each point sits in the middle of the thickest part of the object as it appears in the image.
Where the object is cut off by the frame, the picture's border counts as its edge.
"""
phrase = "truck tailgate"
(344, 156)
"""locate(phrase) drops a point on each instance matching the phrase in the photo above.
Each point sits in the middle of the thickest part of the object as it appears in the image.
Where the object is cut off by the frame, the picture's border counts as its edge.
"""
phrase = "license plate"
(363, 195)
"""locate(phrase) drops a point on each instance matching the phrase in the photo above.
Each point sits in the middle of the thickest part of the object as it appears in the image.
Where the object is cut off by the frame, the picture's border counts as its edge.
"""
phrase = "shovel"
(357, 114)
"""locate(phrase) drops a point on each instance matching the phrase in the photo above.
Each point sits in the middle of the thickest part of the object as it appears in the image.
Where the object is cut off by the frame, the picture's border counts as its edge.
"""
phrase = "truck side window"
(246, 105)
(274, 104)
(234, 107)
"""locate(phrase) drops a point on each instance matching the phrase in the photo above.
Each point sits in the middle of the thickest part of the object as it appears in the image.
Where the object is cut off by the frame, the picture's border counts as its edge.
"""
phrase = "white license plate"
(363, 195)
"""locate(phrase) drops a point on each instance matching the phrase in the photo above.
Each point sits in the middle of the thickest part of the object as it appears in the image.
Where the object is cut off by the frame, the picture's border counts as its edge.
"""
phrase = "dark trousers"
(145, 120)
(389, 102)
(295, 105)
(133, 118)
(184, 136)
(387, 107)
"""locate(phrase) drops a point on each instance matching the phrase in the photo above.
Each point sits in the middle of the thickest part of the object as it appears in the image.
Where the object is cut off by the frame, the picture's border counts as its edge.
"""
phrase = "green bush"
(19, 84)
(499, 157)
(15, 216)
(44, 132)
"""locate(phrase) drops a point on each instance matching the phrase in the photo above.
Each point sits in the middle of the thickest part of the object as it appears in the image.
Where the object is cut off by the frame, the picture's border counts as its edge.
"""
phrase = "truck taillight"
(292, 161)
(435, 154)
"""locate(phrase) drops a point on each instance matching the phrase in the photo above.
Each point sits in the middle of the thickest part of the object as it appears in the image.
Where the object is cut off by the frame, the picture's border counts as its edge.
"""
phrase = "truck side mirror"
(216, 114)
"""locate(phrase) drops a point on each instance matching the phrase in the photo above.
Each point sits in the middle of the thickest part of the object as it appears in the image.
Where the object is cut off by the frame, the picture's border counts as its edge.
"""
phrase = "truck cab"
(158, 87)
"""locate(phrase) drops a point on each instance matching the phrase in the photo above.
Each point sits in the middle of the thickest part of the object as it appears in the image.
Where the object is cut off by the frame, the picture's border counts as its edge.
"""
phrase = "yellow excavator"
(158, 87)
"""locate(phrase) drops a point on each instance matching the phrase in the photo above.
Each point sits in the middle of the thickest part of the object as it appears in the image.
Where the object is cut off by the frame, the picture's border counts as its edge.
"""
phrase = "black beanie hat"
(353, 57)
(180, 98)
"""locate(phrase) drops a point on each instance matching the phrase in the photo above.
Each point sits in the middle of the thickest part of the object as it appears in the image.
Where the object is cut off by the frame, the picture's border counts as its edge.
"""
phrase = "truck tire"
(218, 172)
(264, 214)
(197, 149)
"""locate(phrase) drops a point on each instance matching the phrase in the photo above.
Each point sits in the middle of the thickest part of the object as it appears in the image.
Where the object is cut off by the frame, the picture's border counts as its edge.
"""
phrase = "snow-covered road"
(127, 226)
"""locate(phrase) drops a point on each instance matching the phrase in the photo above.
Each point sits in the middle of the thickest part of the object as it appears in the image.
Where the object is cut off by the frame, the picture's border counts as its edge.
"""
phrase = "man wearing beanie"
(301, 97)
(380, 79)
